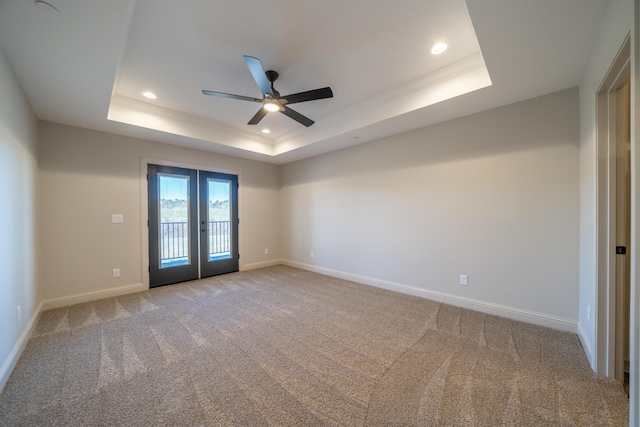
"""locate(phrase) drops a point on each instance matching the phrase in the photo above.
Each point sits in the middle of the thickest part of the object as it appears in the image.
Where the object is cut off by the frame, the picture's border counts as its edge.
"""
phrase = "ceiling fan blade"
(258, 116)
(230, 95)
(259, 75)
(297, 116)
(310, 95)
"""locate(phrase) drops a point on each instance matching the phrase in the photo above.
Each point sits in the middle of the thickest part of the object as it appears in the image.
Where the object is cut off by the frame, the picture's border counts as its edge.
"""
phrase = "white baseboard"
(16, 351)
(527, 316)
(92, 296)
(586, 345)
(264, 264)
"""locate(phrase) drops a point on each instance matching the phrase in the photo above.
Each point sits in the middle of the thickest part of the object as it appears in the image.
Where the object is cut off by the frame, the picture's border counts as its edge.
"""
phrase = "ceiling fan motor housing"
(271, 75)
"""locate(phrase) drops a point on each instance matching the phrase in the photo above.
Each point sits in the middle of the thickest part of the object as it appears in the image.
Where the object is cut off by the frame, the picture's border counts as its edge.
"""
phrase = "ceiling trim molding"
(142, 114)
(462, 77)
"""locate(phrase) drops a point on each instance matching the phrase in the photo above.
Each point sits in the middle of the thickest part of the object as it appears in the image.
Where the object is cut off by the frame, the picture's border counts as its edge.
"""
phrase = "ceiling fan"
(271, 100)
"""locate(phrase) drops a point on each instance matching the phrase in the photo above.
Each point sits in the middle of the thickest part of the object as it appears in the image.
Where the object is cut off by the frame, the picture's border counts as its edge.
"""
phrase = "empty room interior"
(438, 226)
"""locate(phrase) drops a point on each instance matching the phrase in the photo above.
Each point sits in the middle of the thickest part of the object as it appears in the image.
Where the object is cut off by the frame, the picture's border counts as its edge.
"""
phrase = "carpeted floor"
(285, 347)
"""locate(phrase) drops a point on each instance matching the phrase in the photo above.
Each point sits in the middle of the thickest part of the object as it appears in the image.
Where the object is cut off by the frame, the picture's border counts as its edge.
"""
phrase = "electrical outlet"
(464, 280)
(266, 251)
(117, 219)
(311, 254)
(116, 272)
(18, 312)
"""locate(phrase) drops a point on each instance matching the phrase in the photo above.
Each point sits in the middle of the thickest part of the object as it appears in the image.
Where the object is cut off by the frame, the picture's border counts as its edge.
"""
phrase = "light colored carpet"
(285, 347)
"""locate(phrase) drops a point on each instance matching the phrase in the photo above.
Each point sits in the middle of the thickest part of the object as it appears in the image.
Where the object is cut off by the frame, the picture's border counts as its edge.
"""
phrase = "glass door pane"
(174, 220)
(219, 218)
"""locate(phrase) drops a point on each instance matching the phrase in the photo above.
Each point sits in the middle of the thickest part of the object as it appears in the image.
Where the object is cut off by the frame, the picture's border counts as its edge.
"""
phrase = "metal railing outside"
(219, 238)
(174, 240)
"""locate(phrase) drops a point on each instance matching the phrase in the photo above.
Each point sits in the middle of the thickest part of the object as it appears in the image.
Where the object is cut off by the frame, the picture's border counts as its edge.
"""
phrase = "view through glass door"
(218, 223)
(192, 233)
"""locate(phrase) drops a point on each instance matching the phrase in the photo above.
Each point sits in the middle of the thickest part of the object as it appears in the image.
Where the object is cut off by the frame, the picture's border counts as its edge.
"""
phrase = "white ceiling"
(89, 65)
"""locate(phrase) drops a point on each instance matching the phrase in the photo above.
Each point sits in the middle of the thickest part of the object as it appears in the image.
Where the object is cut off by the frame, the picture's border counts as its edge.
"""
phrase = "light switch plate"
(117, 218)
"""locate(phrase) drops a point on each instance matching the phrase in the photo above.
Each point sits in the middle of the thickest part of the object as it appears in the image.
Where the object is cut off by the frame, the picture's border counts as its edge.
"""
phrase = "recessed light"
(266, 131)
(149, 95)
(47, 7)
(438, 48)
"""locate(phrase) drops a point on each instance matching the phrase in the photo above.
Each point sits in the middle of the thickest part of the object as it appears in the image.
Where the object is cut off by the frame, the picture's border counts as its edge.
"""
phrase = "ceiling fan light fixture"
(271, 106)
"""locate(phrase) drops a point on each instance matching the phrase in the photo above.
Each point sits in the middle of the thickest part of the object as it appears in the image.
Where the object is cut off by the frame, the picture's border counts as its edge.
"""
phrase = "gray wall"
(18, 170)
(494, 196)
(86, 176)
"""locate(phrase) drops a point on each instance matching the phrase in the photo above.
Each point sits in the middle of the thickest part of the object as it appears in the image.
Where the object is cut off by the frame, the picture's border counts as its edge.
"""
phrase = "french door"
(193, 224)
(218, 223)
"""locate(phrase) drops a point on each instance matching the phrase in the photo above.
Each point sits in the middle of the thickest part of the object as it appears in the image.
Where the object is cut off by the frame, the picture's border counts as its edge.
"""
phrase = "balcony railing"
(174, 241)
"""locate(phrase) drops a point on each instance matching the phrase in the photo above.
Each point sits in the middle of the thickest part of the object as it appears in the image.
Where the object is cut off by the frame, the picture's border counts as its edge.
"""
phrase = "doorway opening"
(613, 332)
